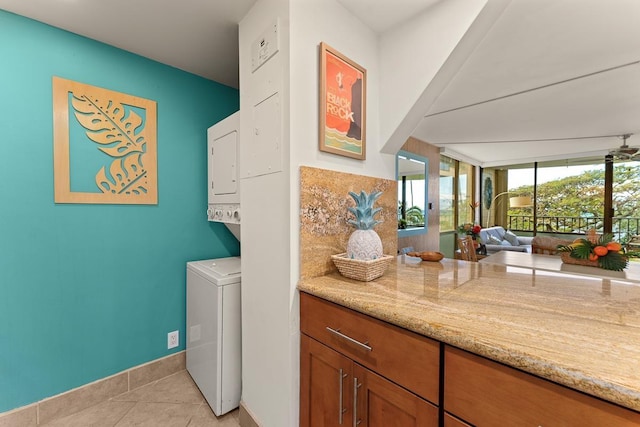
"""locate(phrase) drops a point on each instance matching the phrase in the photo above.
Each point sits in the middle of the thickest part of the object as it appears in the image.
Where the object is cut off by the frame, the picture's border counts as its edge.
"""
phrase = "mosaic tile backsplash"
(324, 231)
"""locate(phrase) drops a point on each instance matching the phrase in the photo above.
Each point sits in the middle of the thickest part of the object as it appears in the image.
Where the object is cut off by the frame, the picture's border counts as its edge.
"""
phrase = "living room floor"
(173, 401)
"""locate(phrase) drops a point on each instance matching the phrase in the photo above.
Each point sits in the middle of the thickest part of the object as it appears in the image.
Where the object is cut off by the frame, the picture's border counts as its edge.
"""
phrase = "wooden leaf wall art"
(123, 130)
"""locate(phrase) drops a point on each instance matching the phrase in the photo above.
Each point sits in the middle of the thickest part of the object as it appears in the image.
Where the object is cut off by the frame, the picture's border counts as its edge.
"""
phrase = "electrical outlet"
(173, 339)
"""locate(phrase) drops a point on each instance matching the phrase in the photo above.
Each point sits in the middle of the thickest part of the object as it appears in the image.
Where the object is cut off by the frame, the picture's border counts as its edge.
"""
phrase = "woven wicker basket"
(568, 259)
(365, 271)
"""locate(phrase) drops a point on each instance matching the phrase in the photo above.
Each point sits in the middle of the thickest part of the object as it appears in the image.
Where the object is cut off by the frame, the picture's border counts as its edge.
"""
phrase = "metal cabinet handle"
(356, 386)
(348, 338)
(342, 409)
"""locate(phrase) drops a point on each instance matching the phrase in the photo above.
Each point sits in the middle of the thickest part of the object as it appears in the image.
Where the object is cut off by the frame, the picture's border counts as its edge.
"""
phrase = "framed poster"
(343, 96)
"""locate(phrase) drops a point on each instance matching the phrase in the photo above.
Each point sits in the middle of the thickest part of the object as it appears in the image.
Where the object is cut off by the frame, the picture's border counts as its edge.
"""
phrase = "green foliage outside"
(582, 196)
(414, 217)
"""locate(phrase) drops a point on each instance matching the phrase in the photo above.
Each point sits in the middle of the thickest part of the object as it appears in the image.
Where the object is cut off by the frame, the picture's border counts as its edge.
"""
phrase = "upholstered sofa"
(498, 239)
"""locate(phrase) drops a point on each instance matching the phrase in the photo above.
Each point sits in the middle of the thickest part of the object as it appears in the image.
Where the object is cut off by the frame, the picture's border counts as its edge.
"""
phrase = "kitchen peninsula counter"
(581, 332)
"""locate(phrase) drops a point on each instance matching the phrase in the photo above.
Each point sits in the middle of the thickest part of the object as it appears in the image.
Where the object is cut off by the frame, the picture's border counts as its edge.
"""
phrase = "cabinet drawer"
(408, 359)
(486, 393)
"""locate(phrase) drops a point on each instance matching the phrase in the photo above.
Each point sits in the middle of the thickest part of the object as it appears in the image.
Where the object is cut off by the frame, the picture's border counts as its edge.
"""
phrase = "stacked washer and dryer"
(214, 348)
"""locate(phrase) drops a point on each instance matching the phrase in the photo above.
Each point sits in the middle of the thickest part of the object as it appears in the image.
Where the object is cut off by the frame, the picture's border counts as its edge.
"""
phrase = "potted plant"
(469, 229)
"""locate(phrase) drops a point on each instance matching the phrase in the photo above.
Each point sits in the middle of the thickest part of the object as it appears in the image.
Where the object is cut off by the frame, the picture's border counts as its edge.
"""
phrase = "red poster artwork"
(343, 106)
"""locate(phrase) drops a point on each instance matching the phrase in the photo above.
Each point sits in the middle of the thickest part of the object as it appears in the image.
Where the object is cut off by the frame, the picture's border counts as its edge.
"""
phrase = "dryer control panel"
(224, 213)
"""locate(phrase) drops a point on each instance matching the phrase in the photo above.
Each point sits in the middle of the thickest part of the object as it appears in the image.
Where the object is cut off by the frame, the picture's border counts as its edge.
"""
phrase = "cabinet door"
(381, 403)
(325, 394)
(451, 421)
(404, 357)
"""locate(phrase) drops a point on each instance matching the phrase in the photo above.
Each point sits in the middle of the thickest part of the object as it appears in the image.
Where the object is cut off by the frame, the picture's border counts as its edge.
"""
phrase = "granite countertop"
(577, 331)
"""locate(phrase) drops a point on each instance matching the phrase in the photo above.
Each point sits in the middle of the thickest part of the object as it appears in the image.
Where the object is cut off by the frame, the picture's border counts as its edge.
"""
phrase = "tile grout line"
(128, 372)
(193, 414)
(136, 403)
(125, 414)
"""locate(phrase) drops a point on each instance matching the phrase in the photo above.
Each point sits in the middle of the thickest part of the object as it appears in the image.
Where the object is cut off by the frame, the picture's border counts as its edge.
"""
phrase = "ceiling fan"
(624, 152)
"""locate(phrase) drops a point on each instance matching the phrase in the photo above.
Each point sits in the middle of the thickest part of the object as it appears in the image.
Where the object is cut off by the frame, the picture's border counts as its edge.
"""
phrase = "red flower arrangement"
(468, 228)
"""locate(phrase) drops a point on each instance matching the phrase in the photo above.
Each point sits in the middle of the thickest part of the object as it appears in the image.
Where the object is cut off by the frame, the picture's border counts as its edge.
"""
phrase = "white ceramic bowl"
(411, 259)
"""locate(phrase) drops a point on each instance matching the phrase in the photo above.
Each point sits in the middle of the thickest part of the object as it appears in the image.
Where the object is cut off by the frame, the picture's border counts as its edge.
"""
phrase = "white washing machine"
(214, 331)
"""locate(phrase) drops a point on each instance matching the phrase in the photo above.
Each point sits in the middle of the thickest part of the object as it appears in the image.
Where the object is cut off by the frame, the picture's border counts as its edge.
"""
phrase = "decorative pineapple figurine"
(364, 243)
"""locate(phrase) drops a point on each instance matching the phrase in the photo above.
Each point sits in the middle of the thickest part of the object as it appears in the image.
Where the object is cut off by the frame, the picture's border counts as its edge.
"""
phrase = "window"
(466, 214)
(456, 193)
(570, 197)
(412, 193)
(447, 194)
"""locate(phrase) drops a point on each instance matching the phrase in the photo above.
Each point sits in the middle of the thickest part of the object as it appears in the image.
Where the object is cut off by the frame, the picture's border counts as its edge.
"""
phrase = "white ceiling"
(198, 36)
(381, 15)
(559, 70)
(548, 78)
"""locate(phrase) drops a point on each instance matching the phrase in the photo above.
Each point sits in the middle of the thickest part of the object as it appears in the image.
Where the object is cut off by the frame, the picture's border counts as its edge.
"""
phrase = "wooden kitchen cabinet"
(451, 421)
(381, 403)
(332, 386)
(325, 391)
(353, 365)
(404, 357)
(363, 372)
(486, 393)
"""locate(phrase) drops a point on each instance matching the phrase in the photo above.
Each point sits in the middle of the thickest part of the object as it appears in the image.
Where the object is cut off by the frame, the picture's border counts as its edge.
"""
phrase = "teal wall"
(89, 290)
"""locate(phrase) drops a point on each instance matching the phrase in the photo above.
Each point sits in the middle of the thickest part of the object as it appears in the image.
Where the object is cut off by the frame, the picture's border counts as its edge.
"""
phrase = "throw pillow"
(493, 240)
(511, 238)
(495, 232)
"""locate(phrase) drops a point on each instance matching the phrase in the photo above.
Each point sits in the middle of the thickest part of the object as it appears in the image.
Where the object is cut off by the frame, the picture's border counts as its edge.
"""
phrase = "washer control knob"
(236, 214)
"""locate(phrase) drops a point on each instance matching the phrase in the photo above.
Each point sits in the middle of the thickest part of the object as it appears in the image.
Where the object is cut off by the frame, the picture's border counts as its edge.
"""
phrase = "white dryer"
(214, 331)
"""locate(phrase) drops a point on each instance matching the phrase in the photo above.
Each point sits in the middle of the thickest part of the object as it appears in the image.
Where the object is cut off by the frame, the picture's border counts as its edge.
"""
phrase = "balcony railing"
(624, 228)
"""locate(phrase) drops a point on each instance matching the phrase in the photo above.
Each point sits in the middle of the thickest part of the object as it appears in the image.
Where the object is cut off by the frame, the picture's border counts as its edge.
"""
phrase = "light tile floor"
(173, 401)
